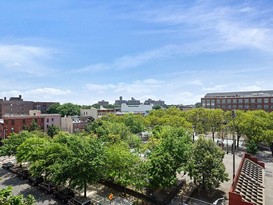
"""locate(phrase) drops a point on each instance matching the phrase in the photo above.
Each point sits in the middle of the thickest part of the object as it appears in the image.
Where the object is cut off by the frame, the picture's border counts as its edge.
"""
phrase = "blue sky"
(83, 51)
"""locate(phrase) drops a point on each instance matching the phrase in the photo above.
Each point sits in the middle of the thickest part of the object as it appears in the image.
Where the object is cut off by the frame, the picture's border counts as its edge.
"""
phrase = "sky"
(83, 51)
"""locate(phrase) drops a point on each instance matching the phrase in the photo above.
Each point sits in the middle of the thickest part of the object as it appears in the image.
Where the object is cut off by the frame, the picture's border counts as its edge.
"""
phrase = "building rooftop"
(248, 184)
(261, 93)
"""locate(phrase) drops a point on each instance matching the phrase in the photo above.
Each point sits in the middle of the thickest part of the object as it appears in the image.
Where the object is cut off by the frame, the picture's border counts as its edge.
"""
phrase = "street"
(22, 187)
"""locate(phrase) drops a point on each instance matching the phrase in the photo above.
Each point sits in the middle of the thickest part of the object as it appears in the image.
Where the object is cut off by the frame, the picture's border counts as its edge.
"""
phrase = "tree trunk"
(85, 187)
(213, 136)
(238, 138)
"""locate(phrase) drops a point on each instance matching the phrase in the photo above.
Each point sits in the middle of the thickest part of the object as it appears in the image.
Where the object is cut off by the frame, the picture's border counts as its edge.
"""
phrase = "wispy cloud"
(27, 59)
(43, 93)
(220, 27)
(137, 87)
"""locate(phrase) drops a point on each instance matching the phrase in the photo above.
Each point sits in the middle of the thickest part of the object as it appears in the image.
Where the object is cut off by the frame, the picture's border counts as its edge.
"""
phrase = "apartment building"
(248, 100)
(17, 106)
(17, 123)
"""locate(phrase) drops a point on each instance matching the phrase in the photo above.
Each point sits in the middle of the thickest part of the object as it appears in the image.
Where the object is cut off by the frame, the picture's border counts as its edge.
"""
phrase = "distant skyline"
(85, 51)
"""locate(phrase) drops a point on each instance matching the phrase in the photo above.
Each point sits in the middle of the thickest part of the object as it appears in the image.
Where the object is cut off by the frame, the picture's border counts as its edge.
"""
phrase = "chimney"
(20, 97)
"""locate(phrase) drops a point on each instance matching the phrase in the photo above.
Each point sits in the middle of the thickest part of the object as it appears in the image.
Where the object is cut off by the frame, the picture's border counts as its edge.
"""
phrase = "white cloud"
(136, 87)
(216, 28)
(217, 88)
(26, 59)
(196, 82)
(37, 94)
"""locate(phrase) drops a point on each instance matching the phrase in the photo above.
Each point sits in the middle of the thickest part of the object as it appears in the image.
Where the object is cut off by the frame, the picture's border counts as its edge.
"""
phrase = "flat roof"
(241, 94)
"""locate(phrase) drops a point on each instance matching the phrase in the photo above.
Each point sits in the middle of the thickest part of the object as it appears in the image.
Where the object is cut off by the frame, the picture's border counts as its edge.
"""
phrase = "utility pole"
(233, 115)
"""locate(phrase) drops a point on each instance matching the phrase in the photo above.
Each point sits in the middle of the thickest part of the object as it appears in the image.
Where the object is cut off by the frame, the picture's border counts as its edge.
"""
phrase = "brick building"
(17, 106)
(249, 100)
(17, 123)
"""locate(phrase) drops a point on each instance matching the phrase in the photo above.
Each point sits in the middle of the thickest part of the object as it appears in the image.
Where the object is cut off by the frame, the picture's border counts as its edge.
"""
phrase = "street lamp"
(193, 127)
(233, 115)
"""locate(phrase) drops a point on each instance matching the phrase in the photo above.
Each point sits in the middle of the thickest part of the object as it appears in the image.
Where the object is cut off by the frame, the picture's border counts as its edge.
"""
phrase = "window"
(252, 100)
(218, 101)
(228, 100)
(24, 121)
(246, 106)
(234, 106)
(234, 101)
(52, 119)
(266, 107)
(212, 102)
(240, 100)
(12, 122)
(259, 106)
(246, 100)
(265, 100)
(271, 100)
(229, 107)
(47, 119)
(259, 100)
(240, 107)
(253, 107)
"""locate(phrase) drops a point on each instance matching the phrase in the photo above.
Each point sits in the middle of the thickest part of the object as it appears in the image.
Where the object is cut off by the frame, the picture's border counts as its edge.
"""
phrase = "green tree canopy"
(13, 141)
(206, 164)
(84, 164)
(7, 198)
(168, 157)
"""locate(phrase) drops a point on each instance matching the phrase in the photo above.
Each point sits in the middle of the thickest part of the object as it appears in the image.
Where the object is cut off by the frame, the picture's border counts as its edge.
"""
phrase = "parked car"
(23, 173)
(64, 194)
(7, 165)
(15, 169)
(35, 180)
(79, 200)
(47, 187)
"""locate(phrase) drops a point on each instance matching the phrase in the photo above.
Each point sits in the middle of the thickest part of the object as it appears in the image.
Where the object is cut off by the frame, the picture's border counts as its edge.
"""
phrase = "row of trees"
(255, 126)
(110, 150)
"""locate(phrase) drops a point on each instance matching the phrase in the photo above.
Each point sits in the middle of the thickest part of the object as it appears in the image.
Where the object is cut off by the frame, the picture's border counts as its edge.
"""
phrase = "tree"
(33, 126)
(215, 120)
(134, 122)
(52, 130)
(120, 164)
(53, 109)
(171, 116)
(7, 198)
(32, 149)
(236, 124)
(199, 119)
(156, 107)
(83, 165)
(206, 164)
(69, 109)
(254, 124)
(11, 143)
(168, 157)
